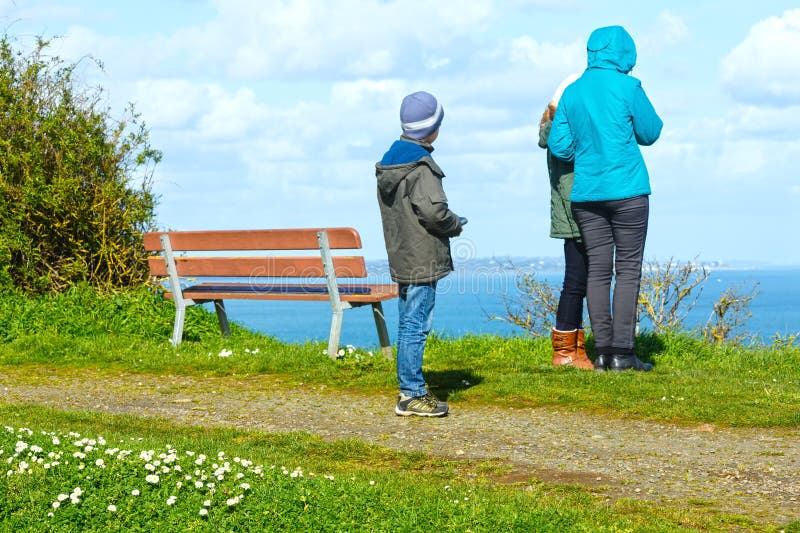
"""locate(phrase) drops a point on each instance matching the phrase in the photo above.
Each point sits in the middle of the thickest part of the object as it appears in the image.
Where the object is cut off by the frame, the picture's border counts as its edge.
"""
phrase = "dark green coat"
(562, 175)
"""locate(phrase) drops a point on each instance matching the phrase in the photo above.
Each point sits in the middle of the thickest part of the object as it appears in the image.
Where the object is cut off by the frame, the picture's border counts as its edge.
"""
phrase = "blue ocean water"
(467, 299)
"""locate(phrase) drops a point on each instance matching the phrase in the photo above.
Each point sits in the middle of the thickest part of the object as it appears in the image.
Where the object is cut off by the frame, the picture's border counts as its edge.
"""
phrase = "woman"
(601, 120)
(567, 337)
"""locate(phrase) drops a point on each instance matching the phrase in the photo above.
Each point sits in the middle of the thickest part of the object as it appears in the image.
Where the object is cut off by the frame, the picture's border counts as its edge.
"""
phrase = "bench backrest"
(253, 265)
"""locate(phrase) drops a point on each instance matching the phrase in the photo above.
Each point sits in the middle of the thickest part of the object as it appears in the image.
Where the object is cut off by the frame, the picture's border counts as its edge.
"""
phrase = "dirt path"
(754, 472)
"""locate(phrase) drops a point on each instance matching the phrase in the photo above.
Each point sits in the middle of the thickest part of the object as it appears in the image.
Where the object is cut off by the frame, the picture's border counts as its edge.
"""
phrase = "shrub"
(729, 315)
(534, 308)
(75, 185)
(669, 292)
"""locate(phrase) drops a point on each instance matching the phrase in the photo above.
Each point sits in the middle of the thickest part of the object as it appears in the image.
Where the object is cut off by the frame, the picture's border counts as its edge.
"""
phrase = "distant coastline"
(508, 264)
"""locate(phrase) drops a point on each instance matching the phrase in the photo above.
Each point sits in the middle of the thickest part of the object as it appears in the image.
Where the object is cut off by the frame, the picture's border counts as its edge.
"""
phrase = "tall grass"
(83, 312)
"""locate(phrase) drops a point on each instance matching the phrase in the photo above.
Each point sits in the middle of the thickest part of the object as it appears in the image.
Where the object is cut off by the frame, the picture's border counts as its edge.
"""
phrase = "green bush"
(75, 184)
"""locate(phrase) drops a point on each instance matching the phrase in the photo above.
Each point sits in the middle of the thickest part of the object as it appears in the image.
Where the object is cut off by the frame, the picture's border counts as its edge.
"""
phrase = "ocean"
(467, 300)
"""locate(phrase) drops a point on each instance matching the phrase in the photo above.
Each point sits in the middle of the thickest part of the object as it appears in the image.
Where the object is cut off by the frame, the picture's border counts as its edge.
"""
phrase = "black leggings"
(570, 304)
(613, 233)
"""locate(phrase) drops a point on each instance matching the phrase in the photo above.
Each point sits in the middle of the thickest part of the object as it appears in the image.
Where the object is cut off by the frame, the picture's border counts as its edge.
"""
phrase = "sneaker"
(426, 405)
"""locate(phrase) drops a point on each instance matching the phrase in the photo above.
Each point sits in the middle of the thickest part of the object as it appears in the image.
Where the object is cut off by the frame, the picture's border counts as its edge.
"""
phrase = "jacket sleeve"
(646, 123)
(430, 205)
(561, 141)
(544, 133)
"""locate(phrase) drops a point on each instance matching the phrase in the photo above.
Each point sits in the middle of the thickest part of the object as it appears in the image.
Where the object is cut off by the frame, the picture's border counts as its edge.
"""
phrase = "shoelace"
(430, 400)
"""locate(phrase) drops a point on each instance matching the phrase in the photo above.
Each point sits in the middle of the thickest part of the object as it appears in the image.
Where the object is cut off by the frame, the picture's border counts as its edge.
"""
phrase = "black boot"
(628, 362)
(601, 362)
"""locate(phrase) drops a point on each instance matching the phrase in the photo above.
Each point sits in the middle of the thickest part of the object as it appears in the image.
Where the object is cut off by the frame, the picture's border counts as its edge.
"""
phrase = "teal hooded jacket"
(601, 120)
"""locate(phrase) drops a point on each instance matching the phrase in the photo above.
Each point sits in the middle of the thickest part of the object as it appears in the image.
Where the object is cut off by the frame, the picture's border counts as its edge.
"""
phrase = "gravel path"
(754, 472)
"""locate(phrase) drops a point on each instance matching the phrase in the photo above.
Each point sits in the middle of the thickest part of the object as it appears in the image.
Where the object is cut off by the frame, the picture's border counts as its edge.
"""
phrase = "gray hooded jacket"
(417, 222)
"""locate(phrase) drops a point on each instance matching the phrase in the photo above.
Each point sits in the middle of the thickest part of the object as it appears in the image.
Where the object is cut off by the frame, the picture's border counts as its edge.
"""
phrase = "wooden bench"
(170, 259)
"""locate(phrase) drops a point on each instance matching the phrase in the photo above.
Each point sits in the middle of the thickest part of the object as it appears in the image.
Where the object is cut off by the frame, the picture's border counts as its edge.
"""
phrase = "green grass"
(693, 381)
(294, 482)
(128, 332)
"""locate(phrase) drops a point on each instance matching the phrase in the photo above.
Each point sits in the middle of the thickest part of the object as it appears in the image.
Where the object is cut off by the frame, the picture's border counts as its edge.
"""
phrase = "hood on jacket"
(390, 177)
(611, 48)
(401, 158)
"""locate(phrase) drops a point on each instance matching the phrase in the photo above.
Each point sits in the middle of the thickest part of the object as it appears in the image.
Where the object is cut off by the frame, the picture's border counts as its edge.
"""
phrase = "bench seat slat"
(261, 239)
(243, 291)
(279, 267)
(292, 288)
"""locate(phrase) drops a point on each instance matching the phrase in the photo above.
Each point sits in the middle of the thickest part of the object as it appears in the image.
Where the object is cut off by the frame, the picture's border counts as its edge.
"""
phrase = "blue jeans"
(416, 320)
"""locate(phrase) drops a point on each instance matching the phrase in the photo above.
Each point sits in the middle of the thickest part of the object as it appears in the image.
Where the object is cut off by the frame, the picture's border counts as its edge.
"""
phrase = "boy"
(417, 225)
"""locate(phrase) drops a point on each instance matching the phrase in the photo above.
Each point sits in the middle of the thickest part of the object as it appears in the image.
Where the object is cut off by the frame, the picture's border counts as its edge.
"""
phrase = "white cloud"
(673, 28)
(764, 69)
(13, 11)
(768, 123)
(662, 48)
(435, 63)
(123, 58)
(734, 150)
(80, 41)
(375, 62)
(251, 43)
(294, 39)
(231, 117)
(496, 140)
(170, 103)
(528, 51)
(742, 160)
(302, 38)
(368, 93)
(551, 4)
(668, 29)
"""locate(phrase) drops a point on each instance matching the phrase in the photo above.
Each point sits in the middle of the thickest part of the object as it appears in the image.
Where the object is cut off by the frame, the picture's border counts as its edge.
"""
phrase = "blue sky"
(273, 113)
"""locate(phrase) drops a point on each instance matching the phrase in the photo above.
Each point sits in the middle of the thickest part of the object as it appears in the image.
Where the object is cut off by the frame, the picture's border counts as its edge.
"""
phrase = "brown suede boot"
(568, 349)
(580, 345)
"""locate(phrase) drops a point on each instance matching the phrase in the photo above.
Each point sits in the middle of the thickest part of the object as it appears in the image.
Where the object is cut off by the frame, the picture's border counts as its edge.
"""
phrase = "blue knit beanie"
(420, 115)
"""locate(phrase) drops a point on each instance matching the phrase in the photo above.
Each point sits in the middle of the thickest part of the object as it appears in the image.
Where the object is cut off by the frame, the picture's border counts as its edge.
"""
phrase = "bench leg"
(222, 318)
(336, 331)
(177, 328)
(383, 334)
